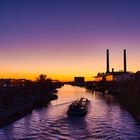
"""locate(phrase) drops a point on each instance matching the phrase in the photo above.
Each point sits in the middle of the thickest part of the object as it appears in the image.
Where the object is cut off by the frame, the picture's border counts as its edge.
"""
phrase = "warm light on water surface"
(105, 120)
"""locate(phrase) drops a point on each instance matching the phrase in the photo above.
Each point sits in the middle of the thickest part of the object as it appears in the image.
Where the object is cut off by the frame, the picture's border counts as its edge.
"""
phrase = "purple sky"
(67, 37)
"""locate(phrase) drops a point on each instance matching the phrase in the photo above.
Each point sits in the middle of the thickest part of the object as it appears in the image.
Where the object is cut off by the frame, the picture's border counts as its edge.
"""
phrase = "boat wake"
(61, 104)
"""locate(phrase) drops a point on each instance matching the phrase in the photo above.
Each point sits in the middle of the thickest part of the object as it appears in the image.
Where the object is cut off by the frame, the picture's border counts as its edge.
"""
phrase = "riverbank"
(127, 93)
(131, 105)
(11, 115)
(17, 101)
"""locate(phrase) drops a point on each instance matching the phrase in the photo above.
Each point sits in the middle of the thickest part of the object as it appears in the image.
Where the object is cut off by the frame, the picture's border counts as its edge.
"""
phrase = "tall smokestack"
(125, 65)
(107, 58)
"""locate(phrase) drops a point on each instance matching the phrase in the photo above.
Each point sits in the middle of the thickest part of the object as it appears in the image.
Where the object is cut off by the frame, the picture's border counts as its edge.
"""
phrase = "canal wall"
(16, 102)
(127, 93)
(129, 97)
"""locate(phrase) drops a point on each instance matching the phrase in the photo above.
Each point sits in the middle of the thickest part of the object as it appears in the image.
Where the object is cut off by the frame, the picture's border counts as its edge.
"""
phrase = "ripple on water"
(103, 122)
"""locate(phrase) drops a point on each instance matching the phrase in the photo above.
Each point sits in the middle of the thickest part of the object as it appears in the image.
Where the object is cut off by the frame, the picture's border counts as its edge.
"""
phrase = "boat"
(79, 107)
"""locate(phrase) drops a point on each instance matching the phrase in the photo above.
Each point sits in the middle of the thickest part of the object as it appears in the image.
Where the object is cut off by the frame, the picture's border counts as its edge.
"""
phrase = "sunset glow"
(68, 39)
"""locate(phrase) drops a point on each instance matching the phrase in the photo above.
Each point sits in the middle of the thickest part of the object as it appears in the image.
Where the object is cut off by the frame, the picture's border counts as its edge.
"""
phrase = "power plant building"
(114, 76)
(119, 76)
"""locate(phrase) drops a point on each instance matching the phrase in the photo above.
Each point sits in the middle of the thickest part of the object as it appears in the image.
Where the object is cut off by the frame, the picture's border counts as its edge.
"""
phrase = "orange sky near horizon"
(64, 66)
(68, 38)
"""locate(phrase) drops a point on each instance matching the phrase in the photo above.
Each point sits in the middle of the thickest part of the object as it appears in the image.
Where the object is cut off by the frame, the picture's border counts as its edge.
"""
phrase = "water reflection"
(105, 120)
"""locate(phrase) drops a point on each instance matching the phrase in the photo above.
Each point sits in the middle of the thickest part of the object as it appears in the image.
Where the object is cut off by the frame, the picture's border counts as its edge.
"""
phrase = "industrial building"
(79, 80)
(114, 76)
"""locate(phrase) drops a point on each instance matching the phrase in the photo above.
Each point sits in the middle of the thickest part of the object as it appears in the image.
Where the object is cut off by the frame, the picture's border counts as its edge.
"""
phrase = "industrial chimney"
(125, 65)
(107, 58)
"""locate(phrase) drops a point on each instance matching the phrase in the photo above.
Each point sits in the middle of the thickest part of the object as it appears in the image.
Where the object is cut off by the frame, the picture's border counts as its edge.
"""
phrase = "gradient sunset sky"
(67, 38)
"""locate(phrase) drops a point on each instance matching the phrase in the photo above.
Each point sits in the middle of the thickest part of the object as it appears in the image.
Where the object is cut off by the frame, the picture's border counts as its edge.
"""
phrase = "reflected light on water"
(105, 120)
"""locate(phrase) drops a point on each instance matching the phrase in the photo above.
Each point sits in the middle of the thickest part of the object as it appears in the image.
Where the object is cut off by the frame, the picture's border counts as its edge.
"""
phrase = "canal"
(106, 119)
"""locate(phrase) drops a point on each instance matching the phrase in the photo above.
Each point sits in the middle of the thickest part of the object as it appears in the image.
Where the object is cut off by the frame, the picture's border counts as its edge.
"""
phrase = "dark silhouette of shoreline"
(19, 97)
(127, 92)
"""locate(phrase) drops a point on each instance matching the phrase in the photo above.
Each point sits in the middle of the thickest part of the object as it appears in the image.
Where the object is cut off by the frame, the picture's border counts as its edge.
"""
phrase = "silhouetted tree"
(42, 78)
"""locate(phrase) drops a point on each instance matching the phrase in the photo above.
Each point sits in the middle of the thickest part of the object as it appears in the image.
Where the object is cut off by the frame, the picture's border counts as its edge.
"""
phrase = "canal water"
(106, 120)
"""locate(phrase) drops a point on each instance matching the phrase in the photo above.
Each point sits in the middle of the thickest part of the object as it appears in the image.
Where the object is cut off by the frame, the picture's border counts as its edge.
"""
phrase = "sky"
(67, 38)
